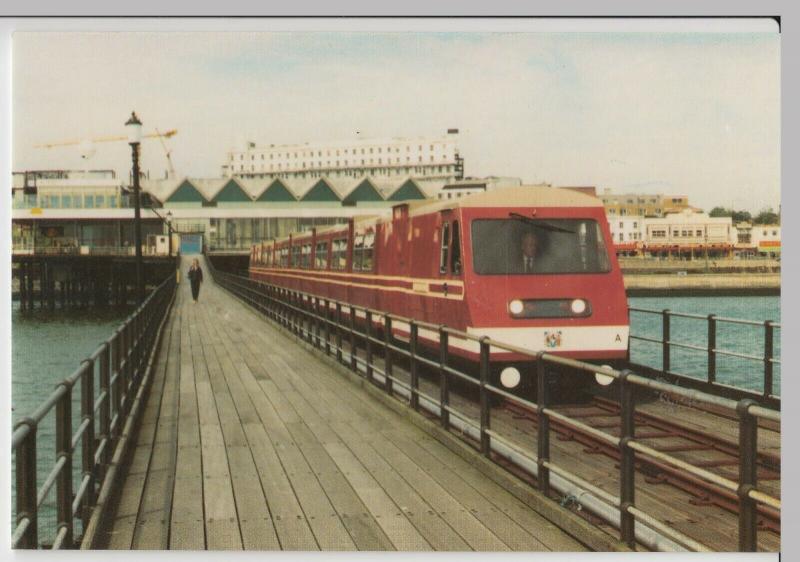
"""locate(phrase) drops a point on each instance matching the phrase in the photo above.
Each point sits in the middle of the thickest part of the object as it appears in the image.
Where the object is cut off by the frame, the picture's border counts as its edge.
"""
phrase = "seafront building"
(435, 158)
(642, 204)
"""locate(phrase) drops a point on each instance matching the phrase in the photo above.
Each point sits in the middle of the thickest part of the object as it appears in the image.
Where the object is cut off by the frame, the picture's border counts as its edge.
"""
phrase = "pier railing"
(712, 327)
(115, 370)
(340, 330)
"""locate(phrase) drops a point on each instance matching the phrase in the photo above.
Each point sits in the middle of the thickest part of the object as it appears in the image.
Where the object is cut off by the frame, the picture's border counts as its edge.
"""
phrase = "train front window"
(524, 246)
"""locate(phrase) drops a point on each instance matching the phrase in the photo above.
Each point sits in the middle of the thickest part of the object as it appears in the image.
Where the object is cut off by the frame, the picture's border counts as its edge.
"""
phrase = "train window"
(369, 248)
(296, 256)
(305, 260)
(522, 245)
(445, 248)
(339, 254)
(455, 250)
(358, 252)
(321, 256)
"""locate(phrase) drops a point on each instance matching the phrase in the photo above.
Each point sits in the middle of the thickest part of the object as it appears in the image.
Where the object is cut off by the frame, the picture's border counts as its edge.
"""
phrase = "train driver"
(530, 246)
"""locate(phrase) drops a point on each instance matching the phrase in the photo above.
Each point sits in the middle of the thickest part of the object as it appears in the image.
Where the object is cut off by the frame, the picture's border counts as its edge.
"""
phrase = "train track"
(604, 414)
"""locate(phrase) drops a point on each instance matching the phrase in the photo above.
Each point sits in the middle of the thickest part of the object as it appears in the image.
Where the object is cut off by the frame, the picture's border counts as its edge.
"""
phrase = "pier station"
(262, 419)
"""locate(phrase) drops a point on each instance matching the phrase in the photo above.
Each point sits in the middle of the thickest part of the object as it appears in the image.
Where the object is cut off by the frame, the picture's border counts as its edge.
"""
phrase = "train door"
(450, 268)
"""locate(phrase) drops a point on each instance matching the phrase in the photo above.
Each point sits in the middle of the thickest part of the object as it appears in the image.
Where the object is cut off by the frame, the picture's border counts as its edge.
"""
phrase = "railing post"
(414, 367)
(368, 343)
(87, 442)
(327, 316)
(543, 423)
(712, 348)
(315, 319)
(444, 379)
(665, 359)
(353, 348)
(769, 342)
(627, 484)
(308, 316)
(118, 384)
(339, 354)
(387, 353)
(748, 453)
(27, 485)
(105, 408)
(484, 397)
(64, 450)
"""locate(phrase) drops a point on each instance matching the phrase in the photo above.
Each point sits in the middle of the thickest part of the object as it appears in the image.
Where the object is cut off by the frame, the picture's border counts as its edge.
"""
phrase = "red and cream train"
(529, 266)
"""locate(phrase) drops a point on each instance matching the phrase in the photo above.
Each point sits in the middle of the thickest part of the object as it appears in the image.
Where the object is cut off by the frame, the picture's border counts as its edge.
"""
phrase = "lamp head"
(134, 128)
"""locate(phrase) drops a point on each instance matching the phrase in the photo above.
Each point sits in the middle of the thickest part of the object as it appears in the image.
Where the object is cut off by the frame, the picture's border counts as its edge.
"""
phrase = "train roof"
(516, 196)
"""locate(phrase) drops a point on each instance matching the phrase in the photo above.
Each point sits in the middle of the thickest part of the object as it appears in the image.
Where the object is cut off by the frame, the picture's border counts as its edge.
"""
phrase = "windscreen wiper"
(540, 223)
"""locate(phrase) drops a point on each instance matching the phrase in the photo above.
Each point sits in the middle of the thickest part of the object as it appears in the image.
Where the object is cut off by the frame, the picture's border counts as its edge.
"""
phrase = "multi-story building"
(626, 231)
(640, 204)
(766, 239)
(424, 158)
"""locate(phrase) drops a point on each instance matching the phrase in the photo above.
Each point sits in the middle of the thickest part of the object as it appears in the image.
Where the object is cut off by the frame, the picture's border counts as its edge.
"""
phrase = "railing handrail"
(705, 317)
(294, 309)
(712, 350)
(119, 376)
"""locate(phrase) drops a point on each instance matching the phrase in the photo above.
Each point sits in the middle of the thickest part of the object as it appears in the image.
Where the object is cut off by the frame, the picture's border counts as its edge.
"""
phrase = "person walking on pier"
(195, 278)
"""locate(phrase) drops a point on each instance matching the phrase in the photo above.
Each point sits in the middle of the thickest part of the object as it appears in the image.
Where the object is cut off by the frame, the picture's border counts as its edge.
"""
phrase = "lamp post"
(169, 231)
(134, 129)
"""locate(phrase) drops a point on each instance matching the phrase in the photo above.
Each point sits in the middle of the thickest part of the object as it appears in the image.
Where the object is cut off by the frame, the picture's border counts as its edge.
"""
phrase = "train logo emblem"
(552, 339)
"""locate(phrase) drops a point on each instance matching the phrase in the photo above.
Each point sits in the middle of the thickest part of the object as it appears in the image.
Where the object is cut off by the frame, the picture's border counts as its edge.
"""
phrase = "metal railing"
(766, 361)
(327, 324)
(119, 363)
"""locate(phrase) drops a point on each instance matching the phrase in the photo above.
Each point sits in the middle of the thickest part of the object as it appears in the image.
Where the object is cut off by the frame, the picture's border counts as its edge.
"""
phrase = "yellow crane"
(88, 150)
(73, 142)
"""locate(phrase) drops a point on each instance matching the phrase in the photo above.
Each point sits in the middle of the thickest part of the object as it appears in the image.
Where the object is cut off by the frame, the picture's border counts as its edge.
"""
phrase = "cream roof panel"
(522, 196)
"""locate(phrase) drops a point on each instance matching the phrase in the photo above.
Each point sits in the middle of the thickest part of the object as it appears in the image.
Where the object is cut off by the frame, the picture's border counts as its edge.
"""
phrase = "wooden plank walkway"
(248, 441)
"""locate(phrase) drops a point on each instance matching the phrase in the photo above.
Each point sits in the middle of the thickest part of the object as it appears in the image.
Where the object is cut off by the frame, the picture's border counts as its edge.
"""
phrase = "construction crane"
(167, 152)
(73, 142)
(87, 148)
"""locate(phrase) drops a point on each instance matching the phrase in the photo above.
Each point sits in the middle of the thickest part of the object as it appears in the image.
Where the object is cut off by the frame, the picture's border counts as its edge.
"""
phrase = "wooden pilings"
(53, 282)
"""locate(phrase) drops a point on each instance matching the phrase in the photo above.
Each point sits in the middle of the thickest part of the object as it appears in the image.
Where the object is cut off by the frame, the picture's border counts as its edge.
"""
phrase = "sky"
(694, 114)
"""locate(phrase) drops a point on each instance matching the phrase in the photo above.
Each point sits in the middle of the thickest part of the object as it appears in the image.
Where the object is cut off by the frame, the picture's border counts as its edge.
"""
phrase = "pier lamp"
(134, 128)
(169, 231)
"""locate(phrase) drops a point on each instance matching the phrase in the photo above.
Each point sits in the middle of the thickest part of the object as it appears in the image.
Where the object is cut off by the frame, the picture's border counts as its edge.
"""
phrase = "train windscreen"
(521, 245)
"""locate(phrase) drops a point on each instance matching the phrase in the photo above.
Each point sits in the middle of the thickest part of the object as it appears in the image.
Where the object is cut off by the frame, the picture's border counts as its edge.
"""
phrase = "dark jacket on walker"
(195, 278)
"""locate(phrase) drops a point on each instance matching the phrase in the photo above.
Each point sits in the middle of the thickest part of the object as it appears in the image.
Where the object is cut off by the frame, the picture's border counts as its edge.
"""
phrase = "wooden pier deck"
(249, 441)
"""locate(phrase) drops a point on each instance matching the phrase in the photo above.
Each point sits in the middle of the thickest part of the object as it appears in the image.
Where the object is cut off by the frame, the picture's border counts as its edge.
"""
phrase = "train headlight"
(516, 306)
(603, 379)
(578, 306)
(510, 377)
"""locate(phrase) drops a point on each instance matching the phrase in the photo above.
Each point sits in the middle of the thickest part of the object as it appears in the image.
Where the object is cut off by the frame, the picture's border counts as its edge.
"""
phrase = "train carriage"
(530, 266)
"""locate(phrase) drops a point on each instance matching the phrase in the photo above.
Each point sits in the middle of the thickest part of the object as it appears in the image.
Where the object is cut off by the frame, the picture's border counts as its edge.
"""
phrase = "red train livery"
(529, 266)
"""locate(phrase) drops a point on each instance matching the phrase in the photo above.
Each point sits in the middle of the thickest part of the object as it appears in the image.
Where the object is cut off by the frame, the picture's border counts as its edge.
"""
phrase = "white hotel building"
(422, 158)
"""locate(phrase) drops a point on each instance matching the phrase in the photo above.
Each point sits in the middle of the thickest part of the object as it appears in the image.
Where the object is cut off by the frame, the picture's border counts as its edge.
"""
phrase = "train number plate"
(552, 339)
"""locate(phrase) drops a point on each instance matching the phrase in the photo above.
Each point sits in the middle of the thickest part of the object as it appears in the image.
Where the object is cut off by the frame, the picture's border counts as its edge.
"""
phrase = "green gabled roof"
(322, 191)
(232, 193)
(277, 192)
(409, 190)
(186, 193)
(365, 191)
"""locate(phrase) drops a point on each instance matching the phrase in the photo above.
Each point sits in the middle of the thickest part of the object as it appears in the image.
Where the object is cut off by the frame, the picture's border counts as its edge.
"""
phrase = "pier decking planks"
(250, 442)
